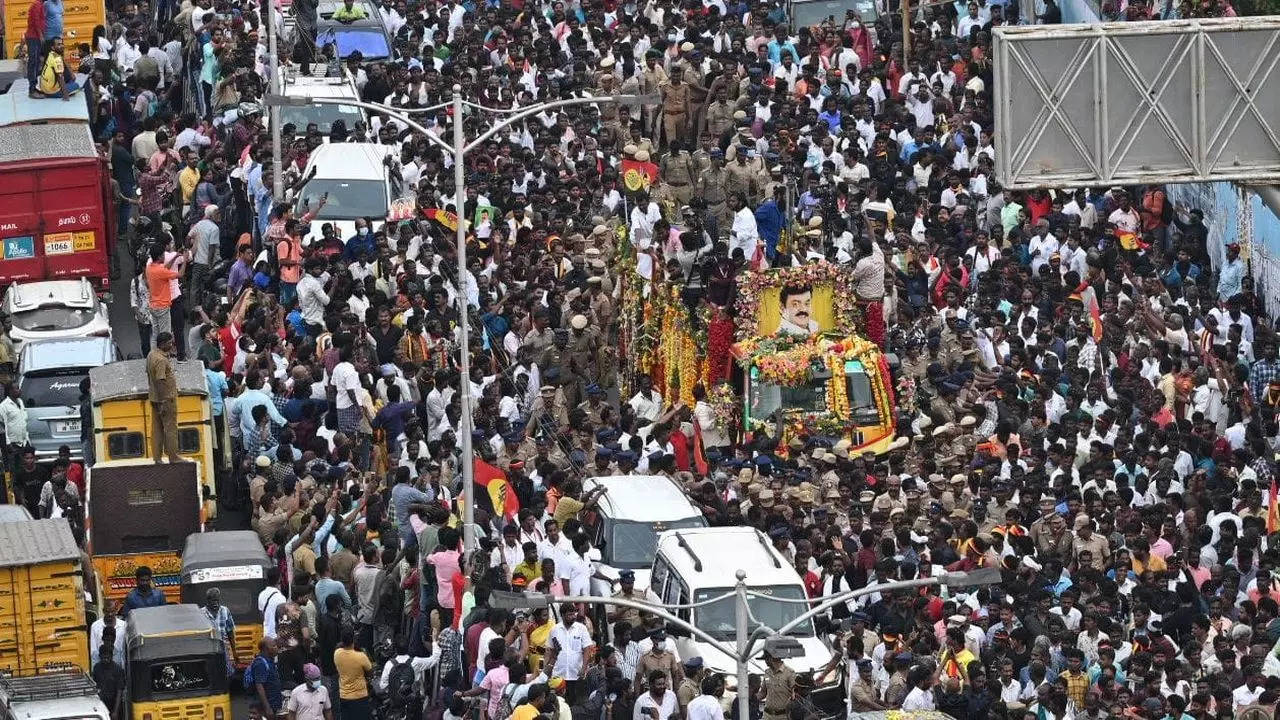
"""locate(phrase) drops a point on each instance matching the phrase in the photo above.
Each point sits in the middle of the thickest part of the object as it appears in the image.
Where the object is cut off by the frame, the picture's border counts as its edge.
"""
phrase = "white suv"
(54, 310)
(628, 520)
(694, 566)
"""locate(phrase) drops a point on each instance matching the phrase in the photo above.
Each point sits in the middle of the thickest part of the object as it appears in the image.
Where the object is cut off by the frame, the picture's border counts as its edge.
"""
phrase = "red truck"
(57, 210)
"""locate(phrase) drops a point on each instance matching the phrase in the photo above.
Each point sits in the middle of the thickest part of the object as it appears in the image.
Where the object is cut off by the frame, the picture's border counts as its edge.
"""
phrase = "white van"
(306, 86)
(358, 177)
(628, 519)
(696, 565)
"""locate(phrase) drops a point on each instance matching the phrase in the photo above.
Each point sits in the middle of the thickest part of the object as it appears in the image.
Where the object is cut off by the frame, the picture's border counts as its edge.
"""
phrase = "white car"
(699, 567)
(357, 178)
(323, 116)
(54, 309)
(628, 519)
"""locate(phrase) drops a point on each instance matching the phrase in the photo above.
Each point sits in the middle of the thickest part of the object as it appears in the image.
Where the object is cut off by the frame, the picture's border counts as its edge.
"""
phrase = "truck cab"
(53, 696)
(842, 389)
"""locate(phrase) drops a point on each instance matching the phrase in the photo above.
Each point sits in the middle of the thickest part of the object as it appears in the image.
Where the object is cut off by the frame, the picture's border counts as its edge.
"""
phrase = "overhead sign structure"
(1138, 102)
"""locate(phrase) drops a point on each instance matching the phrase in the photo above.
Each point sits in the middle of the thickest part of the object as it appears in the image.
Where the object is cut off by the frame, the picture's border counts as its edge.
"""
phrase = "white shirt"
(704, 707)
(744, 234)
(95, 639)
(646, 407)
(312, 299)
(13, 414)
(665, 708)
(345, 378)
(574, 642)
(420, 665)
(712, 435)
(918, 699)
(1242, 696)
(268, 601)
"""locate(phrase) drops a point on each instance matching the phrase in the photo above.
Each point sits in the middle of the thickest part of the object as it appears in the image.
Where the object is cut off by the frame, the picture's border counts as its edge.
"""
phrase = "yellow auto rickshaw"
(122, 419)
(176, 665)
(234, 562)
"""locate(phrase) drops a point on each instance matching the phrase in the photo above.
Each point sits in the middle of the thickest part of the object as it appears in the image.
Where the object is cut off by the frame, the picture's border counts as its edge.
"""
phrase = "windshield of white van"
(717, 619)
(633, 545)
(348, 199)
(322, 115)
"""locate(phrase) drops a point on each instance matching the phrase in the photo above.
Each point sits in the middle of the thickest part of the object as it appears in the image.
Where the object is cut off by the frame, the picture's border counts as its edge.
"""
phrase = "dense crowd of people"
(1091, 407)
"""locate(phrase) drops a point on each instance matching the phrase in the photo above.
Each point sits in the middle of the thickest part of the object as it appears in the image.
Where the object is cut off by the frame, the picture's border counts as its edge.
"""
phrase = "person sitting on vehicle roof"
(349, 12)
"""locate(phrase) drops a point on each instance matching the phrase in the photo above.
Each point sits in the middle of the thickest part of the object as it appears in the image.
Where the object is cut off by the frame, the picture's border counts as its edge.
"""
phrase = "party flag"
(501, 493)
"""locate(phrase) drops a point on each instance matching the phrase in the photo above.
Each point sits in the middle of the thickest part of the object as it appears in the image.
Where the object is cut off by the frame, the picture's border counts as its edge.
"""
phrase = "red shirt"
(35, 21)
(229, 336)
(75, 476)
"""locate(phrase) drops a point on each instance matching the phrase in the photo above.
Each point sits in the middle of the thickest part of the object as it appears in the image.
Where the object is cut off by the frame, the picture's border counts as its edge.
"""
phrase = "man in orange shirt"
(159, 273)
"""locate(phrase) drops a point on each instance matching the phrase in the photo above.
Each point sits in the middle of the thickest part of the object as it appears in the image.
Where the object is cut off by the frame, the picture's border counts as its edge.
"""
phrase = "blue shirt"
(359, 246)
(328, 586)
(263, 671)
(769, 223)
(217, 383)
(393, 418)
(402, 495)
(250, 399)
(136, 599)
(53, 17)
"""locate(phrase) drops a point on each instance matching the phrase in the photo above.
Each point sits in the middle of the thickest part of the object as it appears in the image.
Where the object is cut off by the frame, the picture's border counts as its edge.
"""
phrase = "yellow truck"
(42, 606)
(122, 419)
(79, 18)
(140, 512)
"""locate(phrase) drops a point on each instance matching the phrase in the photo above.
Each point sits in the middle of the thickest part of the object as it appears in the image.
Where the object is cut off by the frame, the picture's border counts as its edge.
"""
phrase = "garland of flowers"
(719, 344)
(848, 319)
(724, 402)
(837, 389)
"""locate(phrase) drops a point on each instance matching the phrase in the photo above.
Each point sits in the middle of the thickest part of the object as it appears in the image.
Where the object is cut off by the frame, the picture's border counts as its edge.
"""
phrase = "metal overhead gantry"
(1138, 102)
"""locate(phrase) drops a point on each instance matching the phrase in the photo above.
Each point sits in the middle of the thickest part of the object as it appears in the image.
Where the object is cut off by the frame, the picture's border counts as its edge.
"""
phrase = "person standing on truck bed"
(34, 38)
(144, 593)
(162, 392)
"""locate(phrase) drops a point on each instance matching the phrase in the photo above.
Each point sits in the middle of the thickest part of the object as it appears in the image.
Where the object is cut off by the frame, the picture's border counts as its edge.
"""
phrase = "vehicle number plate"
(68, 426)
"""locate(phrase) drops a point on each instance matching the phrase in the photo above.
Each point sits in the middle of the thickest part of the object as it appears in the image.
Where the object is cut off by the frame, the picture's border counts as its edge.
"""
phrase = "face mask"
(364, 231)
(313, 684)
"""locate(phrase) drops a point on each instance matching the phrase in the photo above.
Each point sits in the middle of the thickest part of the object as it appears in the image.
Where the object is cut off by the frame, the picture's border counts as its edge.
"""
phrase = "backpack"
(400, 683)
(506, 706)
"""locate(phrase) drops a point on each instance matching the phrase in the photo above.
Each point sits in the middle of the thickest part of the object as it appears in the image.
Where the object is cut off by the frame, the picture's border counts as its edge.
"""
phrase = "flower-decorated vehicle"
(784, 357)
(823, 385)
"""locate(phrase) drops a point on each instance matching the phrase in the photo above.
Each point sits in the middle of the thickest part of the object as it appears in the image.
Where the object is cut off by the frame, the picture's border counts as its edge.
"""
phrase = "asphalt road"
(124, 329)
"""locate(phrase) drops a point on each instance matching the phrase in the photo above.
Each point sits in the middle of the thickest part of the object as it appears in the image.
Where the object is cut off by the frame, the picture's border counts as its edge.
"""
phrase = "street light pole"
(277, 171)
(742, 617)
(745, 635)
(464, 340)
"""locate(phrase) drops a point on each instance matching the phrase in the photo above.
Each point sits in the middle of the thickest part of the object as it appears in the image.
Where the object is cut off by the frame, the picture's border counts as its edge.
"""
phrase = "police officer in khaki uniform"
(676, 96)
(777, 689)
(744, 177)
(678, 173)
(712, 189)
(651, 82)
(719, 115)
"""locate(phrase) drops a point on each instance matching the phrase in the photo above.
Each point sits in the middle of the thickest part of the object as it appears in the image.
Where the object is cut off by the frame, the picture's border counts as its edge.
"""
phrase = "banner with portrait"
(801, 301)
(795, 310)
